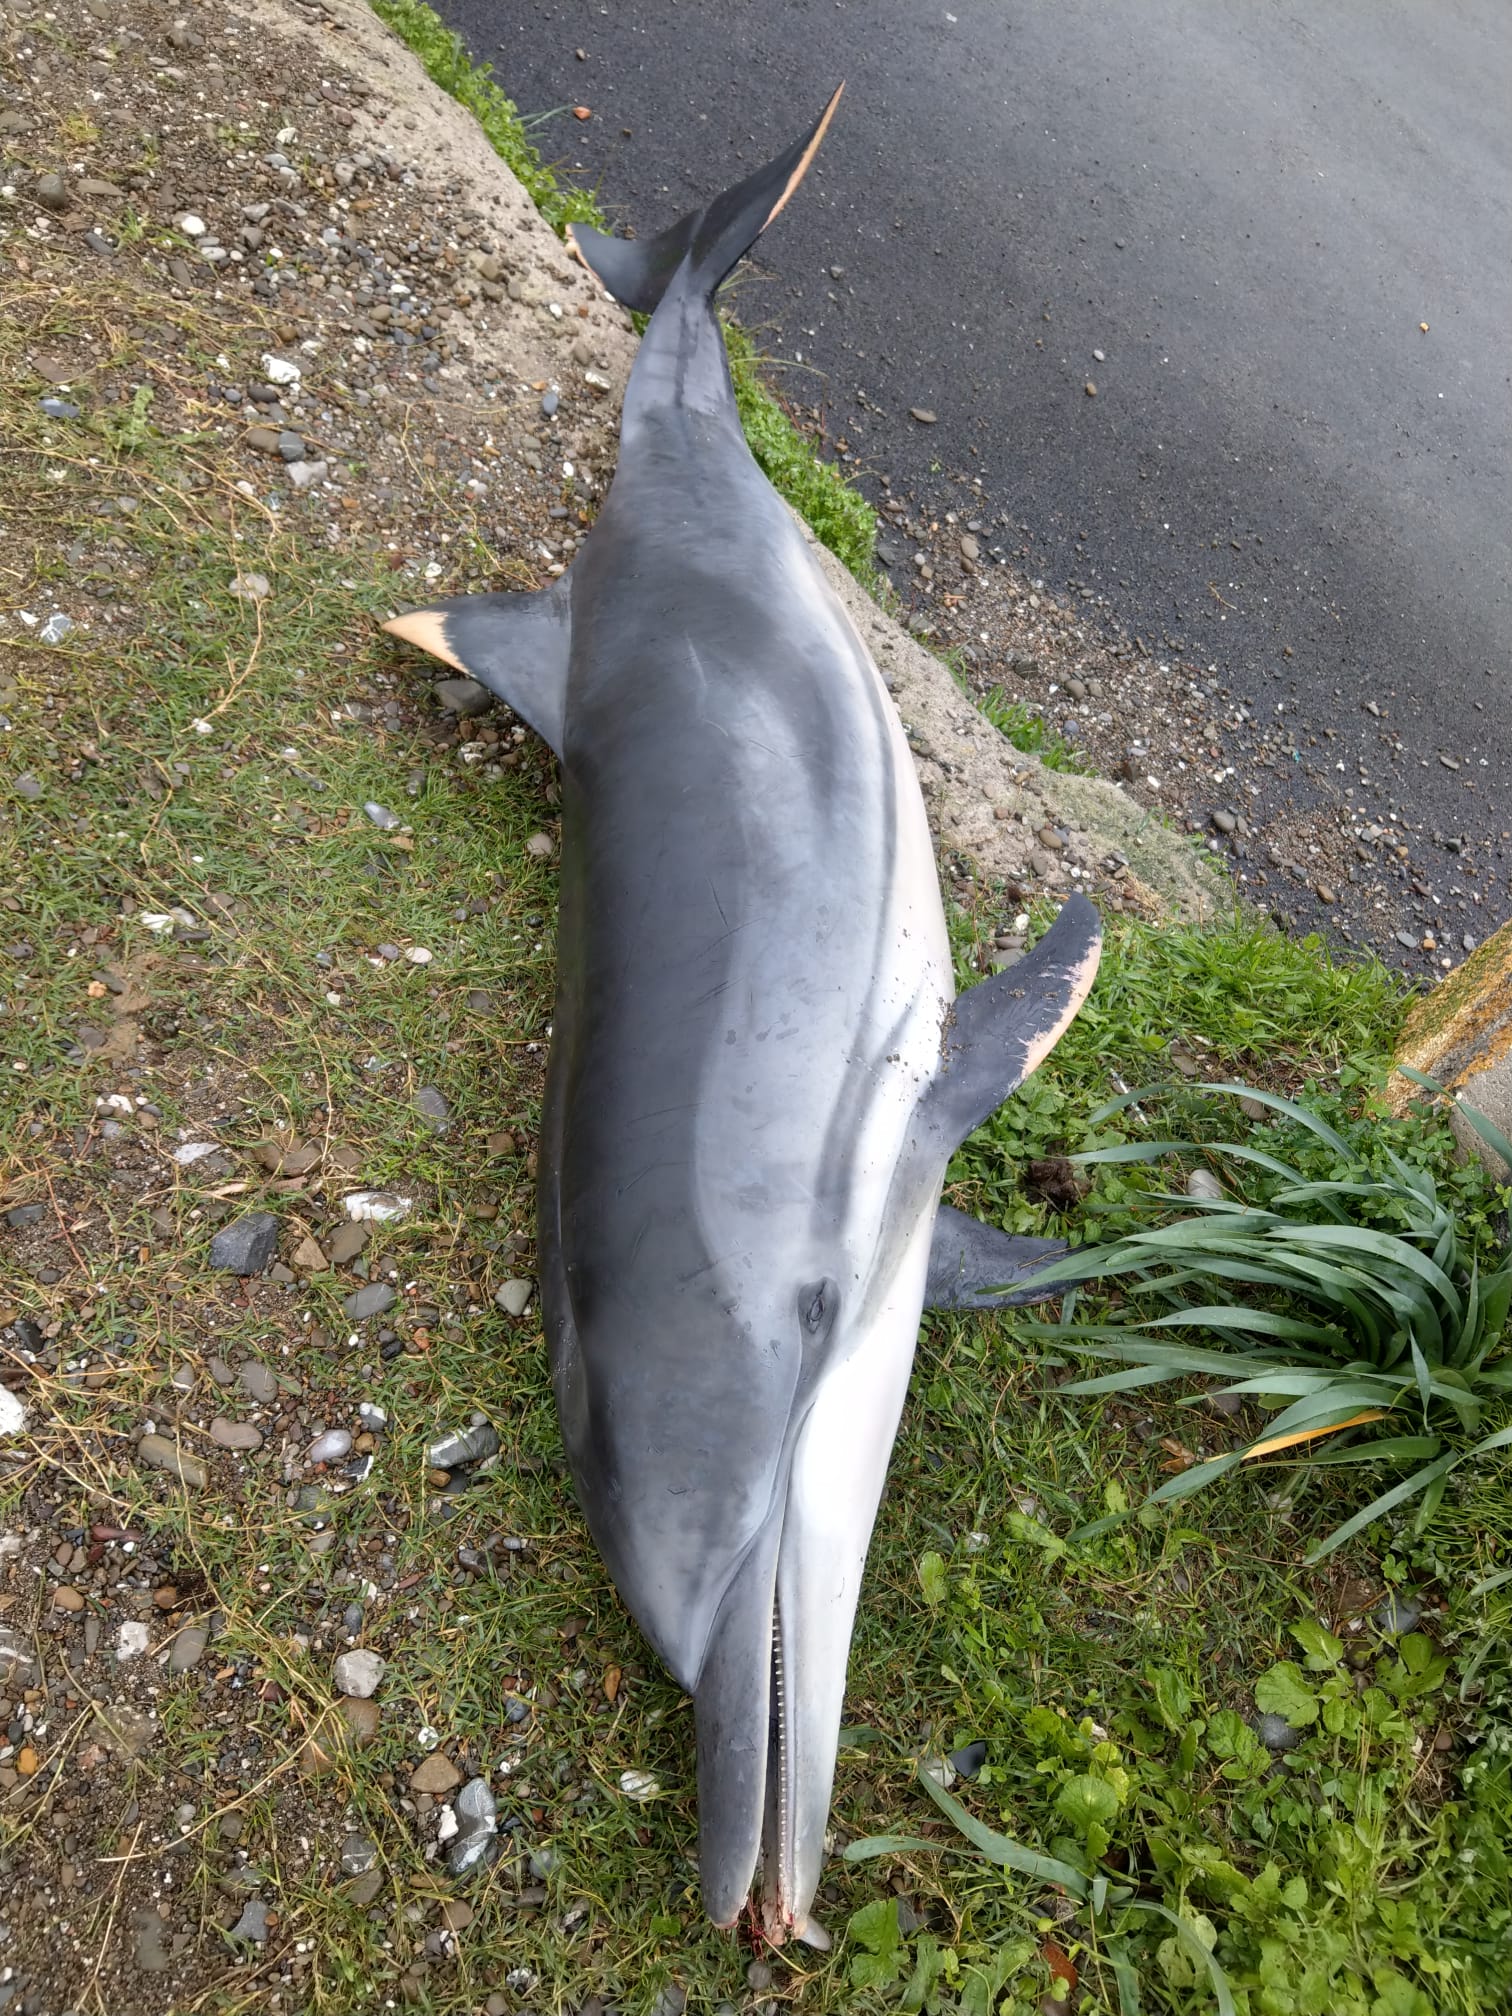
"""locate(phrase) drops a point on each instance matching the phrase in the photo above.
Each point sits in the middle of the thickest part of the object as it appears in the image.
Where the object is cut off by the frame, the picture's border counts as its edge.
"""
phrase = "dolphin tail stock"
(1005, 1028)
(711, 242)
(515, 644)
(975, 1266)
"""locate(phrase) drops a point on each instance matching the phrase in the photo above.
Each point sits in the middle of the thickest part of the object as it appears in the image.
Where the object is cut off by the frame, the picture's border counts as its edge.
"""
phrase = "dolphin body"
(758, 1071)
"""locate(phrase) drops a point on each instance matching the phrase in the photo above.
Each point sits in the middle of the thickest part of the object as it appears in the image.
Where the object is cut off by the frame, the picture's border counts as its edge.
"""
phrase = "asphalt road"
(1249, 209)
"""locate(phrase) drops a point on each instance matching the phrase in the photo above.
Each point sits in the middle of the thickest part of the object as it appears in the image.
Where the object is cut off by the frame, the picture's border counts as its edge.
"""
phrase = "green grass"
(839, 516)
(1030, 732)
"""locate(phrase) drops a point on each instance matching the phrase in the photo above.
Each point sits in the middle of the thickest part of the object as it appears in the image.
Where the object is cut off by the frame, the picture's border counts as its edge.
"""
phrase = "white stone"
(360, 1673)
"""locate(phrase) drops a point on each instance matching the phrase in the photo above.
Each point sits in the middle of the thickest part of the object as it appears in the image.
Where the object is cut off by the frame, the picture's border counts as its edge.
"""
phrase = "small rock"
(1204, 1184)
(308, 1257)
(188, 1648)
(970, 550)
(1398, 1615)
(358, 1674)
(358, 1855)
(419, 955)
(158, 1453)
(549, 403)
(1450, 762)
(330, 1447)
(372, 1300)
(348, 1243)
(1276, 1733)
(251, 587)
(463, 696)
(923, 415)
(1225, 821)
(65, 1597)
(190, 225)
(59, 409)
(263, 439)
(466, 1445)
(52, 192)
(1325, 894)
(56, 628)
(514, 1297)
(433, 1105)
(246, 1245)
(303, 474)
(119, 1727)
(147, 1945)
(476, 1840)
(235, 1434)
(1090, 389)
(435, 1774)
(253, 1922)
(382, 1207)
(967, 1761)
(257, 1381)
(381, 817)
(28, 787)
(541, 845)
(132, 1640)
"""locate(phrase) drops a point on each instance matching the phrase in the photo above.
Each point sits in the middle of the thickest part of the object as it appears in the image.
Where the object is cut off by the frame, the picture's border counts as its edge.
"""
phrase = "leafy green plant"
(1373, 1307)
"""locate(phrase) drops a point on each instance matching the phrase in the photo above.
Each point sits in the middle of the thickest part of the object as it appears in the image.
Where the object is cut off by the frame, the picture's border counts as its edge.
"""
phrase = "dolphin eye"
(817, 1304)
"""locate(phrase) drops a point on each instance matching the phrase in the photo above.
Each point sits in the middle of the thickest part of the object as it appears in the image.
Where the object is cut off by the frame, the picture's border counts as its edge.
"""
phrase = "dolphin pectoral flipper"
(1005, 1028)
(975, 1266)
(514, 644)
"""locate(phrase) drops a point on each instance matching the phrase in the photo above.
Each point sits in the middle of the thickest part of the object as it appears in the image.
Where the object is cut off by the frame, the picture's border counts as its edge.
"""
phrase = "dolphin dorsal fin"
(514, 644)
(1005, 1028)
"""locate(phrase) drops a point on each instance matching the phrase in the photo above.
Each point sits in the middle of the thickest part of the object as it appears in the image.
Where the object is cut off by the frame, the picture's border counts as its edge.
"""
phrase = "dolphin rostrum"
(758, 1068)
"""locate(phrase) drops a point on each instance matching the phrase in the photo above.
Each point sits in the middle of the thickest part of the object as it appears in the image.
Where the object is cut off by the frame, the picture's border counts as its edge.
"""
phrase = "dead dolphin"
(758, 1069)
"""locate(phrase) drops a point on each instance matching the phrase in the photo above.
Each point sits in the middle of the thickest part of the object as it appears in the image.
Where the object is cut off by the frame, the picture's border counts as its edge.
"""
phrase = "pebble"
(257, 1381)
(463, 696)
(188, 1648)
(190, 225)
(476, 1840)
(417, 955)
(302, 473)
(308, 1257)
(373, 1417)
(119, 1727)
(549, 403)
(465, 1445)
(1325, 894)
(432, 1104)
(235, 1434)
(1225, 821)
(132, 1640)
(358, 1674)
(435, 1774)
(59, 409)
(330, 1447)
(51, 191)
(1398, 1615)
(56, 628)
(1276, 1733)
(377, 1206)
(253, 1922)
(923, 415)
(147, 1945)
(1204, 1184)
(291, 446)
(640, 1785)
(65, 1597)
(251, 587)
(263, 439)
(970, 550)
(381, 816)
(358, 1855)
(541, 845)
(347, 1243)
(158, 1453)
(28, 787)
(369, 1301)
(514, 1297)
(967, 1761)
(246, 1245)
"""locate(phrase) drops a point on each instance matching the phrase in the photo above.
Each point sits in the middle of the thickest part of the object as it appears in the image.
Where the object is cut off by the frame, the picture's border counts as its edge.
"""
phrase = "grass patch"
(1031, 733)
(839, 517)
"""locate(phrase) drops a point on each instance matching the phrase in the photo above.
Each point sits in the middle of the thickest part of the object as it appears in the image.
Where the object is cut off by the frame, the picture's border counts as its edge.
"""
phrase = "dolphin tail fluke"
(713, 241)
(975, 1266)
(1005, 1028)
(514, 644)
